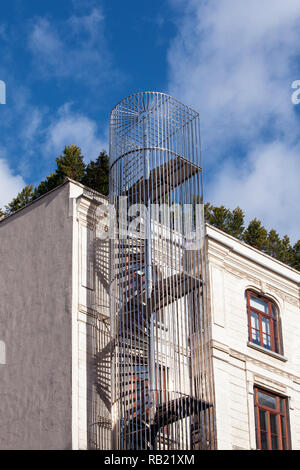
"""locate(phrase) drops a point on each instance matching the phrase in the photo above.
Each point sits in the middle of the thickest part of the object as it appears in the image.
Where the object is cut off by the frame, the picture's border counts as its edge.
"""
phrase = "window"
(263, 322)
(138, 384)
(271, 421)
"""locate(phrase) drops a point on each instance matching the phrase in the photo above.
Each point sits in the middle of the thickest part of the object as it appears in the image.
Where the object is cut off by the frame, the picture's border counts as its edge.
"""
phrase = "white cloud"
(10, 184)
(234, 62)
(73, 128)
(267, 184)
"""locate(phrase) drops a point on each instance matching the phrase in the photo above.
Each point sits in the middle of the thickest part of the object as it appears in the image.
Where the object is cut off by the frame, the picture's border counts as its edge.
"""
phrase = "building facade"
(55, 323)
(254, 304)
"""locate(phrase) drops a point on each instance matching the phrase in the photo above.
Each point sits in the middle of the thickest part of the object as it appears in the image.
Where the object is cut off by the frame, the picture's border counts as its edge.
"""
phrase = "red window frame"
(139, 388)
(273, 319)
(281, 418)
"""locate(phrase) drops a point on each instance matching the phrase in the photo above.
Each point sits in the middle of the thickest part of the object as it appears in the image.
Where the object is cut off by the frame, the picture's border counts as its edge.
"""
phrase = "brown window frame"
(274, 323)
(275, 412)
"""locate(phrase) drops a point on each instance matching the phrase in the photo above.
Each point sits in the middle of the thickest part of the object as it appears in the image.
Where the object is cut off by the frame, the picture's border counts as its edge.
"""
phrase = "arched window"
(263, 322)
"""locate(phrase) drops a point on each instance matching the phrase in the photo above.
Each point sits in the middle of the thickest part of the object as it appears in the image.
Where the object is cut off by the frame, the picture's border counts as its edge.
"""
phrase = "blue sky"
(66, 64)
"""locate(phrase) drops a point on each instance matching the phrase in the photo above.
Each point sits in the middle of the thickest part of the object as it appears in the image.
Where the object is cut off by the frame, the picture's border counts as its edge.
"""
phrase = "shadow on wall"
(98, 346)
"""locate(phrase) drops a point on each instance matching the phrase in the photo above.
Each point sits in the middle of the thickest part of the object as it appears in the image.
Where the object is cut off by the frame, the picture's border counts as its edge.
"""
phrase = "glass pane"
(255, 336)
(274, 442)
(259, 304)
(282, 407)
(263, 420)
(267, 400)
(273, 422)
(264, 441)
(283, 429)
(254, 320)
(266, 325)
(284, 444)
(255, 416)
(267, 341)
(255, 328)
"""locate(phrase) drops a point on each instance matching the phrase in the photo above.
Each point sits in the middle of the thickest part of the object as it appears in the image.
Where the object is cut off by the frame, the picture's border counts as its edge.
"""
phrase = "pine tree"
(273, 244)
(50, 183)
(286, 254)
(296, 257)
(219, 217)
(256, 235)
(235, 224)
(208, 212)
(70, 165)
(23, 198)
(97, 174)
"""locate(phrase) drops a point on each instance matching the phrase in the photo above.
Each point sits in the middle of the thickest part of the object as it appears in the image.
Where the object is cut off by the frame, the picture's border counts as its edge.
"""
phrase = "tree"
(2, 214)
(296, 257)
(273, 244)
(256, 235)
(208, 212)
(97, 174)
(286, 254)
(50, 183)
(23, 198)
(219, 217)
(235, 224)
(70, 165)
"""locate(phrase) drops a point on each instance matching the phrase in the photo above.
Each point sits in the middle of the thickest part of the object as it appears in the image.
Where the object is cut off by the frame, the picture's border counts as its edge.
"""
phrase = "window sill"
(266, 351)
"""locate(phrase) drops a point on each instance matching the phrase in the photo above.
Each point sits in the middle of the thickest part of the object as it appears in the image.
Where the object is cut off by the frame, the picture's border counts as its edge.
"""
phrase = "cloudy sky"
(67, 63)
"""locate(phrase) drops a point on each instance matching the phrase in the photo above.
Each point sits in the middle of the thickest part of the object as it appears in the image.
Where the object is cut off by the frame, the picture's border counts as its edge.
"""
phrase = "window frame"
(278, 413)
(274, 322)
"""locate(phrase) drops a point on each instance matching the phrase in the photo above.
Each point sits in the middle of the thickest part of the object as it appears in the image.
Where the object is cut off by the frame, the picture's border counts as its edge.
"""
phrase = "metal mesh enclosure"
(162, 395)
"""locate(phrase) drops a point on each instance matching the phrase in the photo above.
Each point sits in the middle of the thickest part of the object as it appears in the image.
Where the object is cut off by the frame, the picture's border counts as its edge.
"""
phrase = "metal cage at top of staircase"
(162, 394)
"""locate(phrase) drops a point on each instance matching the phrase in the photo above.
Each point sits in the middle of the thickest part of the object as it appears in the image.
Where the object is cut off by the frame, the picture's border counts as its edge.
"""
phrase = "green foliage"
(224, 219)
(97, 174)
(236, 223)
(23, 198)
(69, 165)
(296, 256)
(220, 217)
(285, 254)
(273, 244)
(256, 235)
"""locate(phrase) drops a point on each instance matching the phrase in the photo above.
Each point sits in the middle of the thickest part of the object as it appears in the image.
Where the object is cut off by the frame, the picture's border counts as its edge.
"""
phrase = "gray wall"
(35, 323)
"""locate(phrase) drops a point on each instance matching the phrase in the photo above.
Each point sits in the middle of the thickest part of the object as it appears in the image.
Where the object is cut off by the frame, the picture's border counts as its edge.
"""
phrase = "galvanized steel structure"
(162, 395)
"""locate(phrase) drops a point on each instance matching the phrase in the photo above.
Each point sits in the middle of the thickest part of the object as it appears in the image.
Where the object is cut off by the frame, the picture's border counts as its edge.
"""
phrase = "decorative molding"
(266, 351)
(294, 300)
(247, 358)
(270, 384)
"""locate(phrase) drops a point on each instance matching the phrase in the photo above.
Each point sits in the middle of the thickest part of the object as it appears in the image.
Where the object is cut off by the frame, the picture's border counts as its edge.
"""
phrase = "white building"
(246, 362)
(54, 322)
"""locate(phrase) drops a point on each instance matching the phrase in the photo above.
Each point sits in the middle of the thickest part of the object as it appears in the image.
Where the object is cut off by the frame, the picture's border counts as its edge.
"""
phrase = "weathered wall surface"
(35, 324)
(238, 366)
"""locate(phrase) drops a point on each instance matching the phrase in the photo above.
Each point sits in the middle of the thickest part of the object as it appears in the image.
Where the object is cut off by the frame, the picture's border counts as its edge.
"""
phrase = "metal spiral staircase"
(161, 391)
